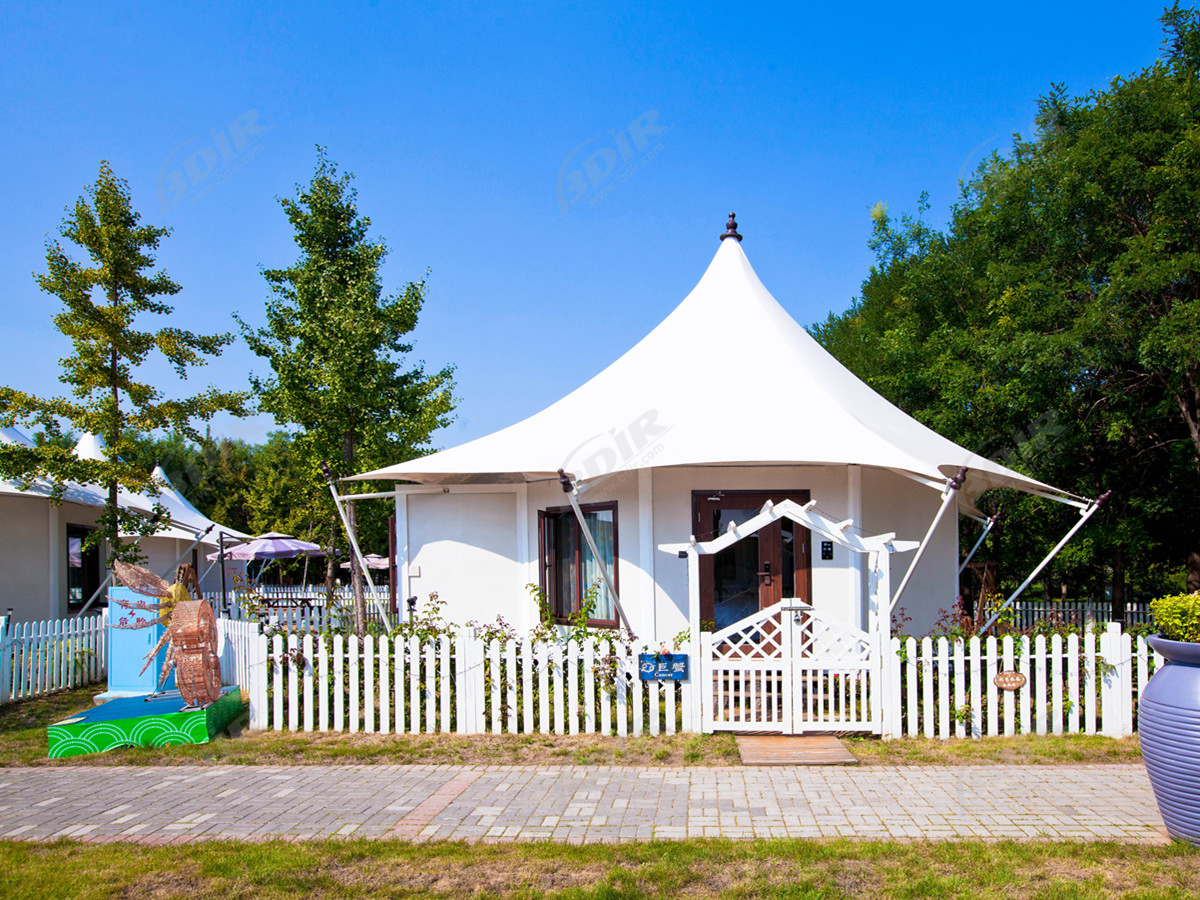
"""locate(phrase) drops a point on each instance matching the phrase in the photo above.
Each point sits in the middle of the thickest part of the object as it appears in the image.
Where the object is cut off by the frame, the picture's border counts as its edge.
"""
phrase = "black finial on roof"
(731, 229)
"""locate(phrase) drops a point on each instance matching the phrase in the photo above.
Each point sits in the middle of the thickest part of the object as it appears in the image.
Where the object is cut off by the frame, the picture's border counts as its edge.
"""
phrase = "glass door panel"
(735, 571)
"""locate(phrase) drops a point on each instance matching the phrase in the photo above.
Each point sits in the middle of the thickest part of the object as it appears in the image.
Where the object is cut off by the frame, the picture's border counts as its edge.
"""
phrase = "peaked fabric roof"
(85, 495)
(183, 513)
(728, 378)
(187, 522)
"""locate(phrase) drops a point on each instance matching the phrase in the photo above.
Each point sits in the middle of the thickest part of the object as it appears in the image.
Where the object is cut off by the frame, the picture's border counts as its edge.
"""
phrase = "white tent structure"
(727, 402)
(39, 554)
(47, 574)
(186, 524)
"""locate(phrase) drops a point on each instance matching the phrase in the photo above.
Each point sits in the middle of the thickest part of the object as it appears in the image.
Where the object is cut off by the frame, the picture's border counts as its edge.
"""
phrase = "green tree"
(102, 300)
(336, 346)
(1055, 322)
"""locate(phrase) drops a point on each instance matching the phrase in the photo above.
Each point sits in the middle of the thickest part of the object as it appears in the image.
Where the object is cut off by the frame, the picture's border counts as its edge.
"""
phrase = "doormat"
(793, 750)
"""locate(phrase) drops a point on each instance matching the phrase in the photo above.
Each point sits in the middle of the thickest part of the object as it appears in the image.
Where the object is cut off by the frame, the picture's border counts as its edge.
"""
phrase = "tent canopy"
(73, 492)
(727, 379)
(186, 522)
(183, 513)
(272, 545)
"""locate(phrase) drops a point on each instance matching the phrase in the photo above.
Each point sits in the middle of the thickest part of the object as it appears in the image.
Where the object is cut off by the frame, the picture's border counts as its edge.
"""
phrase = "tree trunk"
(1118, 585)
(1193, 571)
(330, 560)
(356, 575)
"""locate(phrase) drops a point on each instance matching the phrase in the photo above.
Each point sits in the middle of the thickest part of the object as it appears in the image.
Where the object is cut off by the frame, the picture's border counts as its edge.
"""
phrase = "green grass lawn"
(1028, 749)
(696, 868)
(23, 743)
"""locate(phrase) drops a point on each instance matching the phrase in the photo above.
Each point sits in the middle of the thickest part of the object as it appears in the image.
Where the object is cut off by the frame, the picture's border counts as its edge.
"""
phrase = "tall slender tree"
(102, 299)
(336, 346)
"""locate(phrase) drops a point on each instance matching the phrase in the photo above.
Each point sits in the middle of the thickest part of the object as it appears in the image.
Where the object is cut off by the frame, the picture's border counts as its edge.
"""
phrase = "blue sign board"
(128, 648)
(663, 666)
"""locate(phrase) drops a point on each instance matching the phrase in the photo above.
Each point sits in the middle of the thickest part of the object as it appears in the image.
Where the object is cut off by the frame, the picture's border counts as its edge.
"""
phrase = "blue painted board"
(127, 648)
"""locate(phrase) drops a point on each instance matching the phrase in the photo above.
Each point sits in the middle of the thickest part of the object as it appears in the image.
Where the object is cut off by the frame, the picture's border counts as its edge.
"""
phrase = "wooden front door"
(761, 570)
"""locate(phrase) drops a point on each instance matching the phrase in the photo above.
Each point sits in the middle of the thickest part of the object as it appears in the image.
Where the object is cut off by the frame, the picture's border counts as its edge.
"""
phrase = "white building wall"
(33, 555)
(468, 546)
(894, 503)
(463, 546)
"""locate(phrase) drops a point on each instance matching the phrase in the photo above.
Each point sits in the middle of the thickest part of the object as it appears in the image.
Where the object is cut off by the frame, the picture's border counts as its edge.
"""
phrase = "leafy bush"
(1178, 616)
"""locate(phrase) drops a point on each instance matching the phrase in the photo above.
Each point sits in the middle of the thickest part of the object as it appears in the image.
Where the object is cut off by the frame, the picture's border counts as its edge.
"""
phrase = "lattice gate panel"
(748, 684)
(789, 669)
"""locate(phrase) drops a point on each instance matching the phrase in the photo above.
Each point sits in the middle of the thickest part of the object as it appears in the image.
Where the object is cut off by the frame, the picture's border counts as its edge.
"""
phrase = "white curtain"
(600, 523)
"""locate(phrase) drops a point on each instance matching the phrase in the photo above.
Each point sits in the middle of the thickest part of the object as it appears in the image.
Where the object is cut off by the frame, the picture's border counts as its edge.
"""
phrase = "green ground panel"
(142, 722)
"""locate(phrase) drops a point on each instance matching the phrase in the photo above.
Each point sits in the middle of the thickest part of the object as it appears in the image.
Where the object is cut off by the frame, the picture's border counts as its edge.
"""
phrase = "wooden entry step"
(793, 750)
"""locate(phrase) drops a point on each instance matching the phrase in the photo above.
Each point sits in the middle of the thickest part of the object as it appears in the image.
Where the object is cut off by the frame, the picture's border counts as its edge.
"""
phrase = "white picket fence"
(299, 613)
(43, 657)
(1026, 612)
(465, 685)
(935, 688)
(237, 642)
(1085, 684)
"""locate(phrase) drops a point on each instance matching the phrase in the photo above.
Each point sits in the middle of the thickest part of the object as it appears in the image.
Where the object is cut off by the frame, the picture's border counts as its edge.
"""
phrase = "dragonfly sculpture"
(190, 631)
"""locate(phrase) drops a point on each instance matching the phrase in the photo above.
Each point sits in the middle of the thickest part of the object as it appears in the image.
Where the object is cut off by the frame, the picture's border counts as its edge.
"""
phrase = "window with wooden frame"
(568, 567)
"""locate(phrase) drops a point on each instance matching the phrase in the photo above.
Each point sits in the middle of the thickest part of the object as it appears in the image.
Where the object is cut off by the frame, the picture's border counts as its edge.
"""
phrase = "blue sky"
(563, 171)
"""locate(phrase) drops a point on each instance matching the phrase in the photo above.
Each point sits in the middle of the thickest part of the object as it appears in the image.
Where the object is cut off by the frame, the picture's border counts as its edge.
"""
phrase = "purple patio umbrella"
(272, 545)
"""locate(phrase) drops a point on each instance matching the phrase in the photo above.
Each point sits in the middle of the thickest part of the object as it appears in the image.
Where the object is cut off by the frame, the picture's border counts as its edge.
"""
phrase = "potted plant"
(1169, 716)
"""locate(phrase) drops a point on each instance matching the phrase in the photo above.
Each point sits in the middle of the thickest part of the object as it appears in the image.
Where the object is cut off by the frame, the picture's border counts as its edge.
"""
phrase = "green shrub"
(1178, 617)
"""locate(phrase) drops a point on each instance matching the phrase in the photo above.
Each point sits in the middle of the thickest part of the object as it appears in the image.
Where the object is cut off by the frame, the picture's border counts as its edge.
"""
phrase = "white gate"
(790, 669)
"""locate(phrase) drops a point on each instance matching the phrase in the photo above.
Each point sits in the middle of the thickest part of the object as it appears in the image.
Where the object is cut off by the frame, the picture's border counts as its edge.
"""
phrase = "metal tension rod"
(1083, 517)
(987, 529)
(354, 545)
(569, 489)
(952, 486)
(106, 581)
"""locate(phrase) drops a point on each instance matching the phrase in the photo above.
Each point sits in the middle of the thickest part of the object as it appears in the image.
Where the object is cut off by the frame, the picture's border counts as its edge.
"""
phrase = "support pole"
(979, 543)
(366, 570)
(188, 551)
(952, 486)
(569, 489)
(106, 581)
(1083, 517)
(221, 560)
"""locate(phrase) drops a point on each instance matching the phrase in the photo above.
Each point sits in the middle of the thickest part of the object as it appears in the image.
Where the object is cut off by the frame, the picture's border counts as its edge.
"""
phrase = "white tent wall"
(464, 547)
(894, 503)
(477, 547)
(33, 554)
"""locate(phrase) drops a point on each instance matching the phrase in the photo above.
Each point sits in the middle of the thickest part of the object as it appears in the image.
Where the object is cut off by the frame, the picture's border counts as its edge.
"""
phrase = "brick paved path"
(578, 804)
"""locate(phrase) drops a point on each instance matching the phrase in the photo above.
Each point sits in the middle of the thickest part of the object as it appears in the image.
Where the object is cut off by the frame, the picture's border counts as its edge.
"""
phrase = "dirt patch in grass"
(163, 885)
